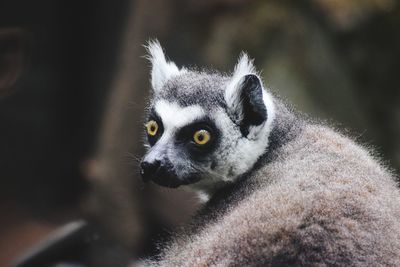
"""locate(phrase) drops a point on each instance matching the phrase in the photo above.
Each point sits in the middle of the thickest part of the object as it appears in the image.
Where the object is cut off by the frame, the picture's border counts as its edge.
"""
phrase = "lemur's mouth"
(164, 176)
(173, 181)
(167, 180)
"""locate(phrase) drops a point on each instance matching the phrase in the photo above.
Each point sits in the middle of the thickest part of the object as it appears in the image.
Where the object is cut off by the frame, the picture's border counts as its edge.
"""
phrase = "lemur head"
(204, 129)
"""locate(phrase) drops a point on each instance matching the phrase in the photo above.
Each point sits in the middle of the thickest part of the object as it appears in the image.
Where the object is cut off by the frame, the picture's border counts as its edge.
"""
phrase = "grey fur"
(314, 198)
(202, 88)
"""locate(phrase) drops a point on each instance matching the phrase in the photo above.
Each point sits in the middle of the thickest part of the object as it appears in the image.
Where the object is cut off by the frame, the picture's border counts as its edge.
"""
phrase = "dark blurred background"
(73, 84)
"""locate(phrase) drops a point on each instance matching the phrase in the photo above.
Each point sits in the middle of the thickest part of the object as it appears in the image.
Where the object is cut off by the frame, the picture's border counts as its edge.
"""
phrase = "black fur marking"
(154, 116)
(197, 152)
(254, 110)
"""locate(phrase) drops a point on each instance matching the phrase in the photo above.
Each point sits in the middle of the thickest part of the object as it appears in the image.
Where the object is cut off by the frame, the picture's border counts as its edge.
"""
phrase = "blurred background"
(73, 85)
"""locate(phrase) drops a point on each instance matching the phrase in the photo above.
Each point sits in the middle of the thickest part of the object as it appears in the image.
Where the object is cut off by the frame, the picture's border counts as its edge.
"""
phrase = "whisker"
(134, 157)
(213, 173)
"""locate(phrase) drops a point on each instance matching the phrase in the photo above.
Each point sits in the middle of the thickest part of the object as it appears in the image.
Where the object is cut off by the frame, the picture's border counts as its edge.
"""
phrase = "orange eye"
(201, 137)
(152, 128)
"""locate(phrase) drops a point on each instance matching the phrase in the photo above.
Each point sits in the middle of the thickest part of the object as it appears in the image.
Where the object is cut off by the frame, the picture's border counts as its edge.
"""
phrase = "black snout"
(161, 173)
(149, 169)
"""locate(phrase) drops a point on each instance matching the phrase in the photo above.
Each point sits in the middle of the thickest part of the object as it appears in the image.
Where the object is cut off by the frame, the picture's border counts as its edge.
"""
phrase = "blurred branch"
(114, 171)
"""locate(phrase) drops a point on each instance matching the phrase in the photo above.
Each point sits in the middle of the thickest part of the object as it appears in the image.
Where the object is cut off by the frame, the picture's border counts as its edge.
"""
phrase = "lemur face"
(204, 129)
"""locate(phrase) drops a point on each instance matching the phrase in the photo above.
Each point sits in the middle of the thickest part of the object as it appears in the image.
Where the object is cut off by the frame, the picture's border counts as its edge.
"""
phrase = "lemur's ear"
(162, 69)
(244, 96)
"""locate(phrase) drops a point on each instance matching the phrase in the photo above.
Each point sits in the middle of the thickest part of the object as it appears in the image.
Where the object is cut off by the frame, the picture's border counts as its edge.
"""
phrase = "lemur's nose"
(149, 169)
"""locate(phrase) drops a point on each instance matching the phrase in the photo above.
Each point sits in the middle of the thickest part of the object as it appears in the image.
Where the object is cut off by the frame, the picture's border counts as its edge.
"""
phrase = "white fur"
(232, 93)
(247, 150)
(203, 197)
(174, 116)
(162, 70)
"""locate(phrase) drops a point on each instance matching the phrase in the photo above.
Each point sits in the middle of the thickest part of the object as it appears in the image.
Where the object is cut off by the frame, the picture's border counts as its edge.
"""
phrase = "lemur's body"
(310, 196)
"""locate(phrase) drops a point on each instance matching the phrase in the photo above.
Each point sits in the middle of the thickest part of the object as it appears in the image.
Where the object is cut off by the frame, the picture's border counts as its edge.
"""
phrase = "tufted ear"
(244, 96)
(161, 69)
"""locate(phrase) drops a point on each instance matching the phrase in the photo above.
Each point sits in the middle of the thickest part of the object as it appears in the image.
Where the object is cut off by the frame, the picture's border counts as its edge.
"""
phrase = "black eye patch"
(153, 139)
(185, 135)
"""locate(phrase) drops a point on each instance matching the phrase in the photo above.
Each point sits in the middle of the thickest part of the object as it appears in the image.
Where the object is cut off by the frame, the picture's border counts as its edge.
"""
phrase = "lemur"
(280, 188)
